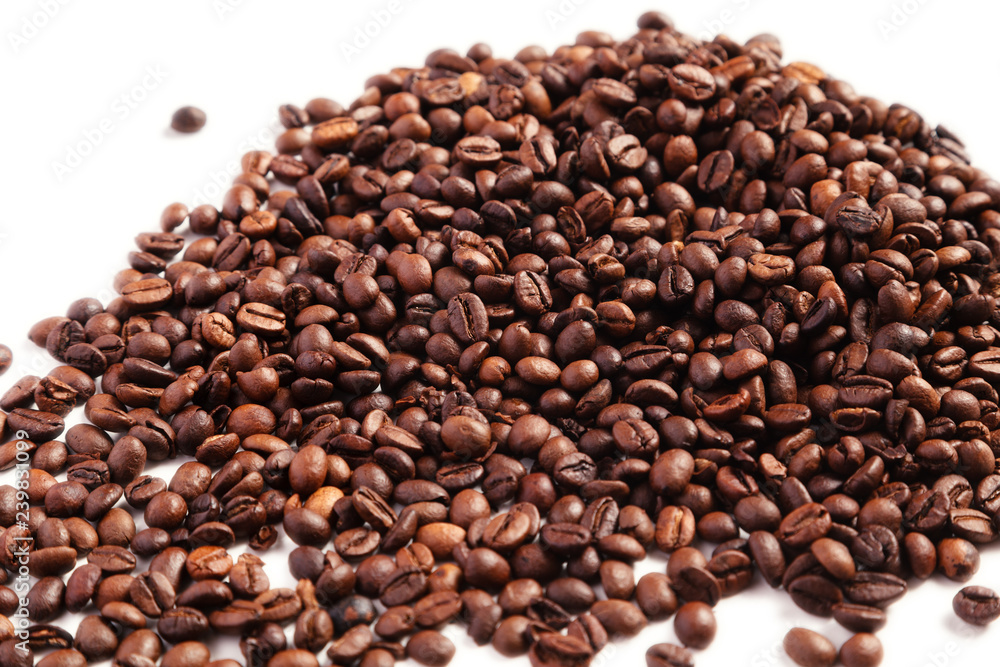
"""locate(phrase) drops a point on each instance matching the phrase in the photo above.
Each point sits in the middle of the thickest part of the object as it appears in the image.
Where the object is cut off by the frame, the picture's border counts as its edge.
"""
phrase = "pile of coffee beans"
(512, 325)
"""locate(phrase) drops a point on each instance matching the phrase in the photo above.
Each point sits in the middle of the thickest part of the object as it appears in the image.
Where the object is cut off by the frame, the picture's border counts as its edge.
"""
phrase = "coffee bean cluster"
(508, 326)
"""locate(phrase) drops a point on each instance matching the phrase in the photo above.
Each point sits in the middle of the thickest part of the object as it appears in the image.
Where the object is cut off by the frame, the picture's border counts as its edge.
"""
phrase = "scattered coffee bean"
(862, 650)
(188, 119)
(695, 624)
(977, 605)
(809, 649)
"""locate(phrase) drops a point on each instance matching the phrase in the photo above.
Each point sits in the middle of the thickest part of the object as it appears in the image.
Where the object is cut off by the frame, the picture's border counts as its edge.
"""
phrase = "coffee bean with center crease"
(467, 318)
(209, 562)
(39, 426)
(182, 624)
(816, 594)
(878, 589)
(977, 605)
(236, 618)
(859, 617)
(152, 593)
(556, 650)
(669, 655)
(112, 559)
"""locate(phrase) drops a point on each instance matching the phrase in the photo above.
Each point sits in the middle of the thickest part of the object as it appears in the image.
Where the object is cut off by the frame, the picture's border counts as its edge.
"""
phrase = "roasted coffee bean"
(809, 649)
(188, 119)
(601, 265)
(45, 599)
(236, 618)
(127, 614)
(862, 650)
(878, 589)
(66, 657)
(817, 595)
(95, 639)
(858, 617)
(957, 559)
(81, 586)
(694, 583)
(112, 559)
(208, 562)
(293, 658)
(977, 605)
(552, 648)
(6, 358)
(152, 593)
(350, 611)
(186, 653)
(695, 624)
(429, 647)
(38, 426)
(619, 617)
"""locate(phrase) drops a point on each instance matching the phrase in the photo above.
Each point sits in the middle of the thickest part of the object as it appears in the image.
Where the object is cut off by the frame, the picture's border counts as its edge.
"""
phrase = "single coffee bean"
(188, 119)
(958, 559)
(859, 618)
(95, 639)
(429, 647)
(695, 624)
(619, 617)
(977, 605)
(45, 599)
(809, 649)
(66, 657)
(668, 655)
(862, 650)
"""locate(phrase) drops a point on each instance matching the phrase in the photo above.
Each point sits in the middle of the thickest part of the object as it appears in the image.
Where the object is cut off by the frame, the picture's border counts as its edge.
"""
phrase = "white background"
(76, 77)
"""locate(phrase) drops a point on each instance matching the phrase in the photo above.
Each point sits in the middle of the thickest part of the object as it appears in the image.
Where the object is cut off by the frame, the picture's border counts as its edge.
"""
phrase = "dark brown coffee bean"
(429, 647)
(619, 617)
(95, 639)
(977, 605)
(878, 589)
(64, 658)
(862, 650)
(817, 595)
(188, 119)
(695, 624)
(859, 618)
(809, 648)
(555, 649)
(45, 599)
